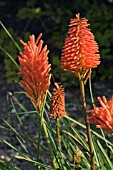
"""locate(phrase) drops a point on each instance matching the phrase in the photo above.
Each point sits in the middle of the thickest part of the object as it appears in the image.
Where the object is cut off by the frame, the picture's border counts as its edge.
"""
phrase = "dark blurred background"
(25, 17)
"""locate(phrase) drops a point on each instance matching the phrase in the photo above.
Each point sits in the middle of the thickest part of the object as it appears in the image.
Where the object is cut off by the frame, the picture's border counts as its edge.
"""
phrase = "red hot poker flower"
(35, 70)
(103, 116)
(80, 50)
(57, 106)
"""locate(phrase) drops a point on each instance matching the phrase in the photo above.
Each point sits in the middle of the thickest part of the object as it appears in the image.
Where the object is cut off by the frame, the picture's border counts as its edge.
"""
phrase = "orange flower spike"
(103, 116)
(57, 106)
(35, 70)
(80, 50)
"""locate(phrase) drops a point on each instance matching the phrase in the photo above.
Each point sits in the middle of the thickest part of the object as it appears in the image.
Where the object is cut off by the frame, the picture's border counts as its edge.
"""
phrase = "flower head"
(80, 50)
(103, 116)
(57, 106)
(35, 70)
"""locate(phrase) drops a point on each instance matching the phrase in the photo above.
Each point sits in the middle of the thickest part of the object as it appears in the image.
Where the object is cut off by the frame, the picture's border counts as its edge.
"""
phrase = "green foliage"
(8, 166)
(52, 19)
(67, 146)
(8, 47)
(74, 143)
(28, 13)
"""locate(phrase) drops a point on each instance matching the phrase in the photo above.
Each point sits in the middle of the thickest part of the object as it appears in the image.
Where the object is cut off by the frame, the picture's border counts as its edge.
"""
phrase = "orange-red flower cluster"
(57, 106)
(103, 116)
(35, 70)
(80, 50)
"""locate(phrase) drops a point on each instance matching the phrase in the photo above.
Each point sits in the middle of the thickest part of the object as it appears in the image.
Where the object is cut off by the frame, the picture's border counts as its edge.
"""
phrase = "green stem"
(92, 99)
(43, 124)
(58, 132)
(38, 144)
(87, 123)
(90, 88)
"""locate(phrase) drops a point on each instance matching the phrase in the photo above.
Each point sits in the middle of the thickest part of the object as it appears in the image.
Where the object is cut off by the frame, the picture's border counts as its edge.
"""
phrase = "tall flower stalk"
(87, 123)
(79, 54)
(57, 108)
(35, 76)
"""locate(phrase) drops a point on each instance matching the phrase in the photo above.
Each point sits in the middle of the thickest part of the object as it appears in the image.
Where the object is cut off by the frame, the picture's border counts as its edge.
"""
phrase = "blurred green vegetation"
(52, 19)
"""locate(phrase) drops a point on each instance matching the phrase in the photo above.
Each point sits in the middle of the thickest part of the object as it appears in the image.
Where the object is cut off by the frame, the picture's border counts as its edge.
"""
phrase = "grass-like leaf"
(5, 29)
(103, 159)
(12, 59)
